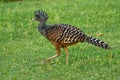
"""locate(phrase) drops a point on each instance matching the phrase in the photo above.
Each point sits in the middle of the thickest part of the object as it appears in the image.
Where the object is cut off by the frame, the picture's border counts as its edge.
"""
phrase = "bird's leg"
(67, 54)
(50, 58)
(57, 54)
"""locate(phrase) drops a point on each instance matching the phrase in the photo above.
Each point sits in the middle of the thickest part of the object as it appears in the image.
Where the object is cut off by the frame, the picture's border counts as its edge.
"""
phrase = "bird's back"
(65, 34)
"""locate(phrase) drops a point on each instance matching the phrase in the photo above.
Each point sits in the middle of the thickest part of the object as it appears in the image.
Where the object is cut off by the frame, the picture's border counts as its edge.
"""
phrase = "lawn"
(22, 47)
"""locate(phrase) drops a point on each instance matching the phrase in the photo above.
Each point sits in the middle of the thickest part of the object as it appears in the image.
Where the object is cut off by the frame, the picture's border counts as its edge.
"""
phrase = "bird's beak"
(33, 19)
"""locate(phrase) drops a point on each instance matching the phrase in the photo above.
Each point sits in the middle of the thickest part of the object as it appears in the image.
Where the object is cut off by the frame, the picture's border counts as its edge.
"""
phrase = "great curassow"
(63, 35)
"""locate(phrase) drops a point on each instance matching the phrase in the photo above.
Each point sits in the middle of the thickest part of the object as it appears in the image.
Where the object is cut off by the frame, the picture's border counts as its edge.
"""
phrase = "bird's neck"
(42, 28)
(42, 25)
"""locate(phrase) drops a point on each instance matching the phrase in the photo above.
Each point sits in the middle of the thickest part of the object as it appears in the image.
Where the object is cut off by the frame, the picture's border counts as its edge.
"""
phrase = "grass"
(22, 47)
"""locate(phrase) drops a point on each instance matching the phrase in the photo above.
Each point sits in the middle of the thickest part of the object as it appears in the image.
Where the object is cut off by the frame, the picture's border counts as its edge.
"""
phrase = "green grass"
(22, 47)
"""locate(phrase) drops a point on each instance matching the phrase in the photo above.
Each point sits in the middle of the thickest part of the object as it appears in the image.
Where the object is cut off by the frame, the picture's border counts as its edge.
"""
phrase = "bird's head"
(40, 16)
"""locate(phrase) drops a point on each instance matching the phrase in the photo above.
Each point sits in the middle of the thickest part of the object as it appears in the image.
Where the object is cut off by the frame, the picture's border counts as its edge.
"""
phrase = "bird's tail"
(97, 42)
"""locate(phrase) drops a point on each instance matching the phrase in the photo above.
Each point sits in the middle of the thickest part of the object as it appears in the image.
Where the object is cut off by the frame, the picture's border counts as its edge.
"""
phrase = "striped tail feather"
(97, 42)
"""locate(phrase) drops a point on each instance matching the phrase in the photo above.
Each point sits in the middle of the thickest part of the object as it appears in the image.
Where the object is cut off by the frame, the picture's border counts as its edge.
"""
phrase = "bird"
(63, 35)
